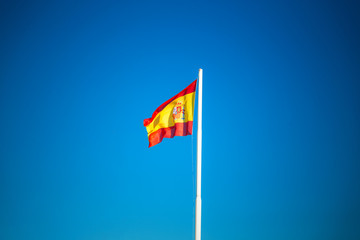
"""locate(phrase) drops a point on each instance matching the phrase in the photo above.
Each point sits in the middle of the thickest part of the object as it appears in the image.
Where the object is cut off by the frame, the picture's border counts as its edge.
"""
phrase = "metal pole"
(198, 166)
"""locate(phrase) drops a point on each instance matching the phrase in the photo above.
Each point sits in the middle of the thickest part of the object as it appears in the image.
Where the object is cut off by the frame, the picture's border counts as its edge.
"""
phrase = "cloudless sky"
(281, 119)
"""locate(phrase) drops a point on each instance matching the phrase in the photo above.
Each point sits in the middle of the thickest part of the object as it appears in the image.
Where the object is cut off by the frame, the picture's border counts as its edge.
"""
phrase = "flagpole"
(198, 165)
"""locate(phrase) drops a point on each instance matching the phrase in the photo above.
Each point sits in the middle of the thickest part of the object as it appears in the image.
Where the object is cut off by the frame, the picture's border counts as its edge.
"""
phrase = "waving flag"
(172, 118)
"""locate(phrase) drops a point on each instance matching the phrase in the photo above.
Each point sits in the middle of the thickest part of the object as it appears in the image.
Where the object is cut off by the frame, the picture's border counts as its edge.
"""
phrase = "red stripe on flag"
(180, 129)
(189, 89)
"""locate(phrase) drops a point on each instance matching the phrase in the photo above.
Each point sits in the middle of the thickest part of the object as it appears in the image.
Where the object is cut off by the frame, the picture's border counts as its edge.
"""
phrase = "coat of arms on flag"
(179, 111)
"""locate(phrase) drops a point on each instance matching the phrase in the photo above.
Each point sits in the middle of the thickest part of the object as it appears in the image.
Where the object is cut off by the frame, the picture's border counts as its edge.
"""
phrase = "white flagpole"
(198, 166)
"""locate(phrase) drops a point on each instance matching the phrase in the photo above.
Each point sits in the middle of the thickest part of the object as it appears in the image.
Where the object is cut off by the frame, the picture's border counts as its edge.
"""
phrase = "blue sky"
(281, 114)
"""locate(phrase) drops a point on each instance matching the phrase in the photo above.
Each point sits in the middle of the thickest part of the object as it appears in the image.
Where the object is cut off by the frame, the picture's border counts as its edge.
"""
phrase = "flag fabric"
(172, 118)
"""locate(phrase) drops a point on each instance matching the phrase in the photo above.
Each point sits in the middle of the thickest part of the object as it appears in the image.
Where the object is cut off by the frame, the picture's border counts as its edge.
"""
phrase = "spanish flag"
(173, 118)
